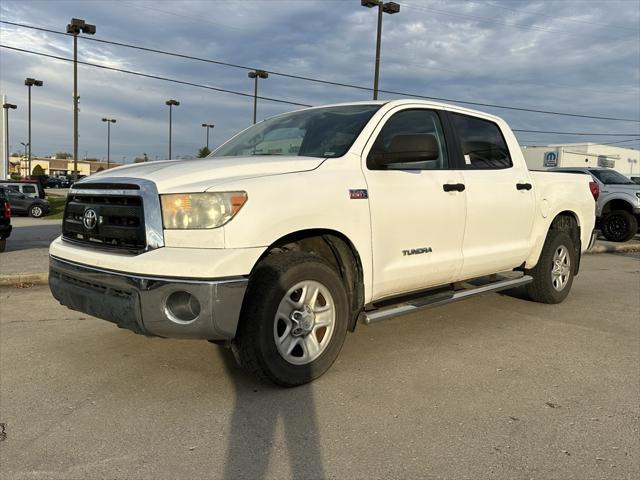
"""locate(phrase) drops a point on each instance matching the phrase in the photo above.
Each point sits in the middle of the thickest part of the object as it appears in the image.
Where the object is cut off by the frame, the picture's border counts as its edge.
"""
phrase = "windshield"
(611, 177)
(319, 132)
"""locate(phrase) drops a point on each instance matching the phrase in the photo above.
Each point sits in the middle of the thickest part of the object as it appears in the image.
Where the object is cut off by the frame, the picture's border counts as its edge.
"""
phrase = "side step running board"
(442, 298)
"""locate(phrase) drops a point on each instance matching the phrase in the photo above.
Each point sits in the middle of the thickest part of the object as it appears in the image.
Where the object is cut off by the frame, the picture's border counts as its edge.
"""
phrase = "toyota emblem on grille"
(90, 219)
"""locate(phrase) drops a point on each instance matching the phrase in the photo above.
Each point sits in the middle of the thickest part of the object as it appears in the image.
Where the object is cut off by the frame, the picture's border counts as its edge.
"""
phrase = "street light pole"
(31, 82)
(7, 107)
(255, 75)
(75, 27)
(24, 157)
(208, 126)
(109, 122)
(390, 8)
(171, 104)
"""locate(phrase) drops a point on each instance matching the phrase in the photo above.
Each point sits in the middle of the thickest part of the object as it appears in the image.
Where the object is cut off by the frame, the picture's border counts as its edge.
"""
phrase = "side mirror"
(412, 148)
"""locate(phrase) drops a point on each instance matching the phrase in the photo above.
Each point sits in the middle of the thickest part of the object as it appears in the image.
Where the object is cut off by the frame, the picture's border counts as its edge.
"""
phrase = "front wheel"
(36, 211)
(294, 319)
(553, 275)
(619, 226)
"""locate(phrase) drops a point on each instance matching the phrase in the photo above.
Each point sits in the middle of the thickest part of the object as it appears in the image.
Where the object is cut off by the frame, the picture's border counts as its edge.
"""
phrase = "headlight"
(200, 210)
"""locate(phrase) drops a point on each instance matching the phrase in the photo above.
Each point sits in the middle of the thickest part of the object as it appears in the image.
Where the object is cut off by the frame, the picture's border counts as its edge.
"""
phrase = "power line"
(271, 99)
(555, 17)
(157, 77)
(492, 20)
(589, 144)
(328, 82)
(577, 133)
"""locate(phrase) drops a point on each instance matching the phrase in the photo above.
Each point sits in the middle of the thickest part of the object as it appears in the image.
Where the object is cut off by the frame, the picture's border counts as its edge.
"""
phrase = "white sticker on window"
(467, 159)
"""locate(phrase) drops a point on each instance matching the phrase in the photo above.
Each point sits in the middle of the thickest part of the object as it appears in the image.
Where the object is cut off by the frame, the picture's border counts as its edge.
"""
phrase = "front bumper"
(148, 305)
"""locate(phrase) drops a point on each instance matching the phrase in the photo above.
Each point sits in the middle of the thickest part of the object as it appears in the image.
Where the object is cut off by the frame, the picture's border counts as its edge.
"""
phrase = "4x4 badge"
(358, 194)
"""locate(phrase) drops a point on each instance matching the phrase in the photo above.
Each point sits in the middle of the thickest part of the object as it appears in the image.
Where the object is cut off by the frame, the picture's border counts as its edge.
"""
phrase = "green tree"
(203, 152)
(63, 155)
(37, 170)
(100, 169)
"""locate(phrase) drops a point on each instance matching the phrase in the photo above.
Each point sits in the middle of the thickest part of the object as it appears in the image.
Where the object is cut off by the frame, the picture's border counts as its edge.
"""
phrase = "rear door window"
(28, 189)
(482, 143)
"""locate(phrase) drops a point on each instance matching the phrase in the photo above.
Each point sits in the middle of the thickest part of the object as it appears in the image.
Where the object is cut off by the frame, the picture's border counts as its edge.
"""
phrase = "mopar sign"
(550, 159)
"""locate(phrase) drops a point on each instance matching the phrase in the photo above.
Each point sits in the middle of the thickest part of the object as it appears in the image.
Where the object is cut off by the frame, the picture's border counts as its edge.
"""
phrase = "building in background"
(57, 167)
(624, 160)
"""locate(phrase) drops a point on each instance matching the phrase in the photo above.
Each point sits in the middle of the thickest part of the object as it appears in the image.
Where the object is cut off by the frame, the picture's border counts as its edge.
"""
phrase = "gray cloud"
(581, 57)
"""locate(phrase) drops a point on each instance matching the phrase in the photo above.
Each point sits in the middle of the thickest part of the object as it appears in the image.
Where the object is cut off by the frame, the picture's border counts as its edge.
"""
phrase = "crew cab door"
(500, 198)
(417, 208)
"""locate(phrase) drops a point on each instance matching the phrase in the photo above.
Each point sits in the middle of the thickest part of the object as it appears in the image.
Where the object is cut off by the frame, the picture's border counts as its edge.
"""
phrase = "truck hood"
(183, 176)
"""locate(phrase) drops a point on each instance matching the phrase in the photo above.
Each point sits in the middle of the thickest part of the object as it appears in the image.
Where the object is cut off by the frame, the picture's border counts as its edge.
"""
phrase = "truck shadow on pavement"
(258, 410)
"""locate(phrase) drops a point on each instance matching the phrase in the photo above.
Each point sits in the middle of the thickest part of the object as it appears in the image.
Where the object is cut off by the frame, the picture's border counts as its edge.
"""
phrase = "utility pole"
(390, 8)
(74, 28)
(171, 103)
(208, 126)
(30, 82)
(255, 75)
(109, 122)
(4, 171)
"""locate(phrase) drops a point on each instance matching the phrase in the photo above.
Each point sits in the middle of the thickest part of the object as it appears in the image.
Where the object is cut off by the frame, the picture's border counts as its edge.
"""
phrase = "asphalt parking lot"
(494, 387)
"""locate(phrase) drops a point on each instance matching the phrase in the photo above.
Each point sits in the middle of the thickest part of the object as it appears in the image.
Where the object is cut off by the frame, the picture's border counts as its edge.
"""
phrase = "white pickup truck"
(301, 225)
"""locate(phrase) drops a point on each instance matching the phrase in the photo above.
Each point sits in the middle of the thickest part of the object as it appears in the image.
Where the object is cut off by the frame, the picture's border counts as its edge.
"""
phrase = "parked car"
(303, 224)
(5, 219)
(30, 188)
(618, 207)
(53, 182)
(25, 205)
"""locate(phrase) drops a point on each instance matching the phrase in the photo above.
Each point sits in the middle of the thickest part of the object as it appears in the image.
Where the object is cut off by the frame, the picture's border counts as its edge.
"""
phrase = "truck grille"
(105, 221)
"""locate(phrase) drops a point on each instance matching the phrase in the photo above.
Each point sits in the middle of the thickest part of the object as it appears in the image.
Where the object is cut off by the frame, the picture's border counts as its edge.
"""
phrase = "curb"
(39, 278)
(624, 248)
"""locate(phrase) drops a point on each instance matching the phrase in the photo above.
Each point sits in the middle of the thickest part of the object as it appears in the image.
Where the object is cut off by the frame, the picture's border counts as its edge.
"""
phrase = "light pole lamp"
(255, 75)
(383, 7)
(75, 28)
(109, 122)
(7, 107)
(31, 82)
(172, 103)
(208, 126)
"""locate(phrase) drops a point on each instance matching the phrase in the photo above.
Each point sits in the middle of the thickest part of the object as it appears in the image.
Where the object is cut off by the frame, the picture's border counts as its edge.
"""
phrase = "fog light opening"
(182, 307)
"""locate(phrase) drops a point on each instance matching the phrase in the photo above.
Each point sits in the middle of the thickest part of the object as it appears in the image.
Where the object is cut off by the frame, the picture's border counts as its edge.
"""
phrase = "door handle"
(453, 187)
(523, 186)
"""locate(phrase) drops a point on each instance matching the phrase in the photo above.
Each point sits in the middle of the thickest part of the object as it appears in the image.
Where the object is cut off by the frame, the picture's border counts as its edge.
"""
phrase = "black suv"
(22, 204)
(5, 219)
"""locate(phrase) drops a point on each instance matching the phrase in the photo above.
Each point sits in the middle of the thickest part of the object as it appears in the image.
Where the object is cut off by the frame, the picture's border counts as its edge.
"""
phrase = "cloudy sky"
(579, 57)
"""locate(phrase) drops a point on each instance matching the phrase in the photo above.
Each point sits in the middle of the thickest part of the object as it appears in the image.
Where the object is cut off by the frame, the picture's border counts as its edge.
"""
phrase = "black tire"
(619, 226)
(3, 244)
(255, 343)
(36, 211)
(542, 288)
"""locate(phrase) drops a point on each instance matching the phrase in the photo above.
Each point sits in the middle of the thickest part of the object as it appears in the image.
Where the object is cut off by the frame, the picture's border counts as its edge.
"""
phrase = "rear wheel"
(619, 226)
(553, 275)
(294, 319)
(36, 211)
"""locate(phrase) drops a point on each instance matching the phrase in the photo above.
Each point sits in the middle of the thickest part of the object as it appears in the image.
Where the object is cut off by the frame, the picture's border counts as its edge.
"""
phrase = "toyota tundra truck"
(308, 223)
